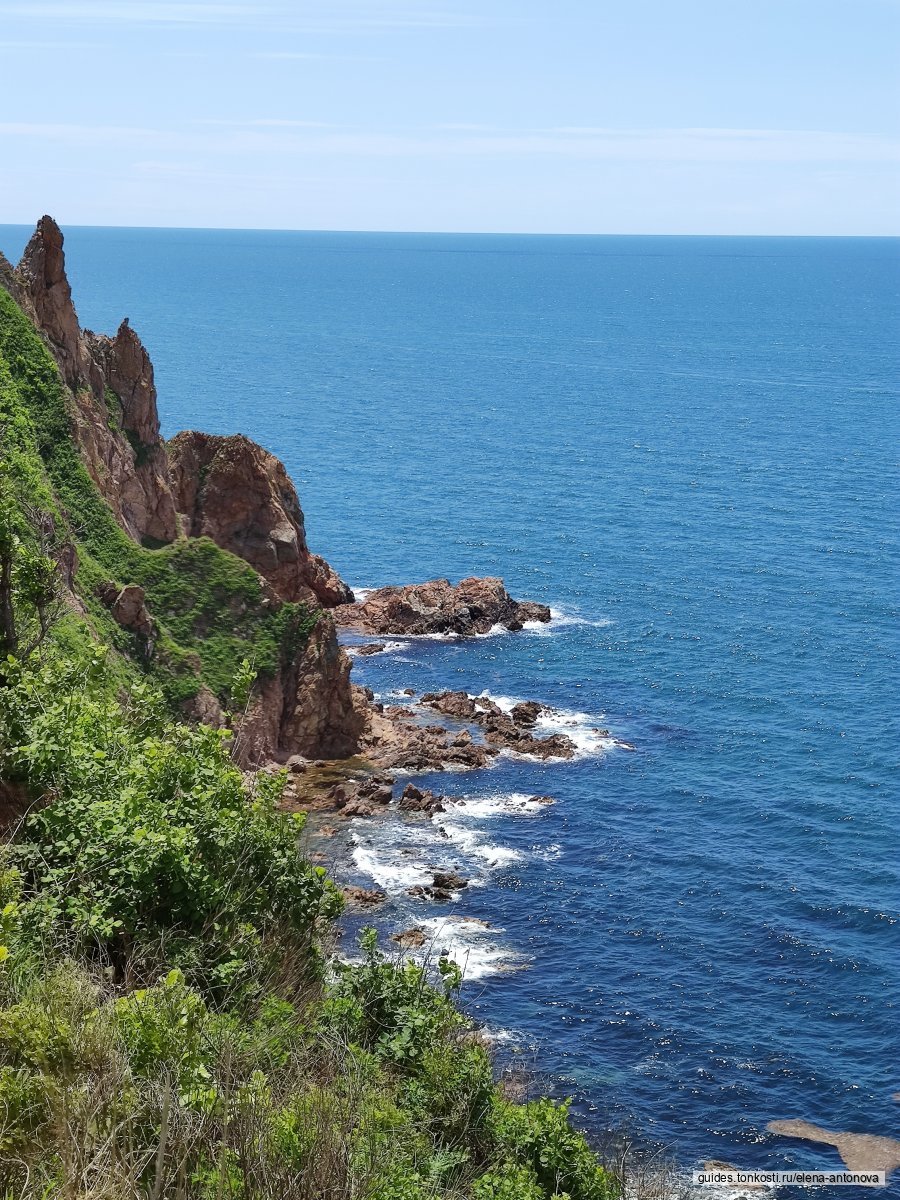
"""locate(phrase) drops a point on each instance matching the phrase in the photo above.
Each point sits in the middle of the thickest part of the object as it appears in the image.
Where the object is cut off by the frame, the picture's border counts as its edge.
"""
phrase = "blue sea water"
(686, 446)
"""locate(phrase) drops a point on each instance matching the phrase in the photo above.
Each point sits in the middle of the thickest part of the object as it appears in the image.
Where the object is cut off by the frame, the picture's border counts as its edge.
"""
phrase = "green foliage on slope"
(211, 607)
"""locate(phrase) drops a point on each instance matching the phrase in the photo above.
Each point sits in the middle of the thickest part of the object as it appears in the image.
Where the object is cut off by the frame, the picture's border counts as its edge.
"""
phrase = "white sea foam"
(470, 843)
(391, 647)
(560, 617)
(501, 804)
(585, 730)
(473, 946)
(392, 872)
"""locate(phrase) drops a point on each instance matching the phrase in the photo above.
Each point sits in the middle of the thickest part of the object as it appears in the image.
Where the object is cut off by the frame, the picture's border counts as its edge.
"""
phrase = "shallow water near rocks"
(686, 447)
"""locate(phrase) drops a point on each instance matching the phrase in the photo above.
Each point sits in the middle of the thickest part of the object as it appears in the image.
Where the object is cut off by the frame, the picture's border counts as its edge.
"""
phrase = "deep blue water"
(687, 446)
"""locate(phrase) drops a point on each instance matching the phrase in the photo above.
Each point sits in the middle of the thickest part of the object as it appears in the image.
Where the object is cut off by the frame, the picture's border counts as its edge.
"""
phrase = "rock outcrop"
(47, 295)
(115, 421)
(308, 708)
(472, 606)
(231, 490)
(228, 489)
(502, 730)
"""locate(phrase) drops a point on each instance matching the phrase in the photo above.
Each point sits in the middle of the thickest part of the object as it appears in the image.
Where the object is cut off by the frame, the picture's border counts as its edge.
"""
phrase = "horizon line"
(440, 232)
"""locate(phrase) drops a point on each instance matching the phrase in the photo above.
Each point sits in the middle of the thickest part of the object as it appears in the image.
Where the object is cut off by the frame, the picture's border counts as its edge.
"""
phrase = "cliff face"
(225, 488)
(113, 396)
(233, 491)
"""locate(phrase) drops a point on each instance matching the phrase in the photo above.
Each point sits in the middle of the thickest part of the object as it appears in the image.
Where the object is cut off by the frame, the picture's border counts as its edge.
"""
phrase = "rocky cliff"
(226, 489)
(240, 495)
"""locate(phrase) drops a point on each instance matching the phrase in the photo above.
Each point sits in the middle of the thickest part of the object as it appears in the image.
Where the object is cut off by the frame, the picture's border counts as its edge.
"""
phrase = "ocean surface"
(687, 447)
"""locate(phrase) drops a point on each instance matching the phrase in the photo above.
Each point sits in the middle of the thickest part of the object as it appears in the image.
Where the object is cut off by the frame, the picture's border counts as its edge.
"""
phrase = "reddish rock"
(130, 611)
(409, 939)
(360, 897)
(239, 495)
(527, 712)
(472, 606)
(44, 287)
(309, 708)
(420, 800)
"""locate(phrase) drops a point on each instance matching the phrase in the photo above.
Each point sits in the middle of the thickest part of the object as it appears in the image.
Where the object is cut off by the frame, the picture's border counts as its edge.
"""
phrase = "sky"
(577, 116)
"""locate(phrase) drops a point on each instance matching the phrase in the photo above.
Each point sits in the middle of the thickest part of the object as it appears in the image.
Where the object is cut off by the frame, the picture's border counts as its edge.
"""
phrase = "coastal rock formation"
(360, 897)
(472, 606)
(113, 405)
(308, 708)
(44, 288)
(421, 800)
(506, 731)
(228, 489)
(394, 740)
(235, 492)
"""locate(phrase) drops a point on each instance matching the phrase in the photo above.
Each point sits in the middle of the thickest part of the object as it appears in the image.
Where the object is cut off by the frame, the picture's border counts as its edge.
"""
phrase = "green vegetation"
(173, 1023)
(210, 606)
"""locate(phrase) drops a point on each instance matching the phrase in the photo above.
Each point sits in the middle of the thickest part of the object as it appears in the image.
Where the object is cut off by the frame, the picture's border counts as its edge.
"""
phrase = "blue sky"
(580, 116)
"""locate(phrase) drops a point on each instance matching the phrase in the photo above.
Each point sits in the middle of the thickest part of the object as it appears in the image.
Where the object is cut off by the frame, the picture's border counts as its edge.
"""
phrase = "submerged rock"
(860, 1151)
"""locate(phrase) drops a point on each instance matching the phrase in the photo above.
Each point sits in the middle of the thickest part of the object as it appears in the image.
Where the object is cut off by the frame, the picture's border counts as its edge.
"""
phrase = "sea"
(687, 447)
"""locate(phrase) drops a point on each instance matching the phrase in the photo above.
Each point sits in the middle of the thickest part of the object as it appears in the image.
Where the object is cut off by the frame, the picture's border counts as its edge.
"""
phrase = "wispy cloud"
(257, 137)
(316, 16)
(141, 12)
(265, 123)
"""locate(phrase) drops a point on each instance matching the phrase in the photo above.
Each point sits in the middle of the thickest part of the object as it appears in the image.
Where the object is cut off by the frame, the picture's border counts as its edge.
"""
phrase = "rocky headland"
(470, 607)
(236, 494)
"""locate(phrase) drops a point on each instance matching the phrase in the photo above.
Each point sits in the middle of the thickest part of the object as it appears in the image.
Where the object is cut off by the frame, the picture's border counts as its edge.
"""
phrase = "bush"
(158, 842)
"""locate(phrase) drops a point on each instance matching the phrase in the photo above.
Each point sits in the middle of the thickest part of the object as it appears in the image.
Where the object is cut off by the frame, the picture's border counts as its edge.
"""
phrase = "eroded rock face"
(130, 611)
(120, 445)
(231, 490)
(472, 606)
(308, 708)
(227, 488)
(45, 287)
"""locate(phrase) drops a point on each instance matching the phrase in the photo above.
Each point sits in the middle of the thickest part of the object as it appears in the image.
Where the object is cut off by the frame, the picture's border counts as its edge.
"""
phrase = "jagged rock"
(452, 704)
(414, 799)
(238, 494)
(472, 606)
(231, 490)
(308, 708)
(130, 611)
(410, 939)
(393, 741)
(122, 449)
(360, 897)
(204, 708)
(502, 730)
(326, 714)
(442, 887)
(449, 879)
(361, 798)
(526, 713)
(45, 289)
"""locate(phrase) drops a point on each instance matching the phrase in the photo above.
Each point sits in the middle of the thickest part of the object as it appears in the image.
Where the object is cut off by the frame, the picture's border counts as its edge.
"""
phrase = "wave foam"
(469, 943)
(584, 729)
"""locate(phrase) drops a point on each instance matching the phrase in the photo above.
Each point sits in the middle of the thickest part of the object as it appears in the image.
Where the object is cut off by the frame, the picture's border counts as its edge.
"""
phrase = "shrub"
(158, 840)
